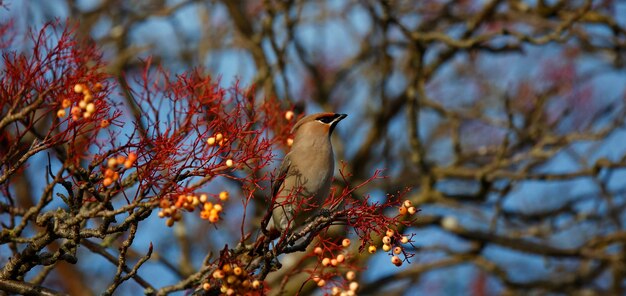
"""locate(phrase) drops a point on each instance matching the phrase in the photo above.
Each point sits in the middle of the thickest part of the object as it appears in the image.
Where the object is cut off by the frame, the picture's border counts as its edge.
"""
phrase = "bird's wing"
(282, 174)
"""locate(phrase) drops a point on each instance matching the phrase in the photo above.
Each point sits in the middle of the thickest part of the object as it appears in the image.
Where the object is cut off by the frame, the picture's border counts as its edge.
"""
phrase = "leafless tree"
(503, 120)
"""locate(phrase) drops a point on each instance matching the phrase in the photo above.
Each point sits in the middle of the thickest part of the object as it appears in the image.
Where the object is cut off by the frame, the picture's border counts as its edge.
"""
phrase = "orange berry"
(218, 274)
(128, 164)
(82, 104)
(371, 249)
(104, 123)
(402, 210)
(345, 243)
(321, 283)
(98, 87)
(237, 270)
(397, 250)
(318, 251)
(404, 240)
(219, 136)
(386, 247)
(78, 88)
(206, 286)
(91, 108)
(116, 176)
(354, 286)
(289, 141)
(214, 218)
(207, 206)
(389, 232)
(210, 141)
(289, 115)
(350, 275)
(326, 261)
(334, 262)
(121, 159)
(412, 210)
(386, 240)
(66, 103)
(224, 195)
(107, 182)
(396, 261)
(109, 173)
(341, 258)
(61, 113)
(407, 204)
(229, 163)
(256, 284)
(112, 162)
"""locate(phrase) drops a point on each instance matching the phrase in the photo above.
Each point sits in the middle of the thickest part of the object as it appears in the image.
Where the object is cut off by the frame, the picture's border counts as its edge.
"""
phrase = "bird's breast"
(318, 175)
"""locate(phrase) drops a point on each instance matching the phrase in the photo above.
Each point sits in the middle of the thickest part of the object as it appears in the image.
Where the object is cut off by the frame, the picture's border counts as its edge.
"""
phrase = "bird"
(305, 174)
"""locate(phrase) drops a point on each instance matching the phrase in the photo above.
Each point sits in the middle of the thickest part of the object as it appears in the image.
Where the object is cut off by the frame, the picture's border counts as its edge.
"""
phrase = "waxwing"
(304, 177)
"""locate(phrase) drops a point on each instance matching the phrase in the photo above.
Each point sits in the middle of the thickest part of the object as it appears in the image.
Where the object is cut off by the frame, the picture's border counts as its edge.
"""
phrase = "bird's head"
(318, 124)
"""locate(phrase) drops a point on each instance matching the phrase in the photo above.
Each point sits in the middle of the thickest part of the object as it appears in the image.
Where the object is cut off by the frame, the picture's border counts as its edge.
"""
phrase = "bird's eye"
(326, 119)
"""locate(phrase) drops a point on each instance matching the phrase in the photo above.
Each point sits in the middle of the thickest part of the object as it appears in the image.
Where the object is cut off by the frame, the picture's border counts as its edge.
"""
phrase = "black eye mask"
(327, 119)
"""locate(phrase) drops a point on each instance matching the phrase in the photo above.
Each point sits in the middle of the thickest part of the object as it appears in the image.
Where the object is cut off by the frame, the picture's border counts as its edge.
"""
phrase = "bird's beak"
(338, 118)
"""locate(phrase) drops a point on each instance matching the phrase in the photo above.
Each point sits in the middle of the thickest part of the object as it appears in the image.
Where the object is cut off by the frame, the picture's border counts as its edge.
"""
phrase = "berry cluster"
(217, 138)
(114, 164)
(234, 280)
(189, 202)
(391, 238)
(212, 211)
(85, 107)
(352, 287)
(336, 262)
(392, 241)
(407, 208)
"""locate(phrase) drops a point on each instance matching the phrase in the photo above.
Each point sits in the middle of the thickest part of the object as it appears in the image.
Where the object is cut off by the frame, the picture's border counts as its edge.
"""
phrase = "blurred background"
(505, 118)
